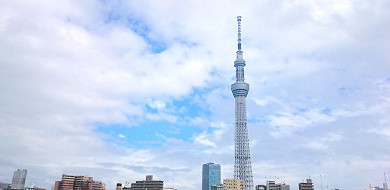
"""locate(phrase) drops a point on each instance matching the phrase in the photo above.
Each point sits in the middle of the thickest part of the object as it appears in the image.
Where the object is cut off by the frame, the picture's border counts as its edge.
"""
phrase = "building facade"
(234, 184)
(261, 187)
(19, 179)
(79, 182)
(211, 175)
(92, 185)
(306, 184)
(4, 186)
(242, 162)
(148, 184)
(271, 185)
(217, 187)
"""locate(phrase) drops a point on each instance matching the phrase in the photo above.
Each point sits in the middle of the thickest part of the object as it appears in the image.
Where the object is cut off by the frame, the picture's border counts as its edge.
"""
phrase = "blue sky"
(121, 89)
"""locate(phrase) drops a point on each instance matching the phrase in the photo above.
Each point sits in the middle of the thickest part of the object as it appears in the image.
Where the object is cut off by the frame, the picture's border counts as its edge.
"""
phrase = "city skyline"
(118, 90)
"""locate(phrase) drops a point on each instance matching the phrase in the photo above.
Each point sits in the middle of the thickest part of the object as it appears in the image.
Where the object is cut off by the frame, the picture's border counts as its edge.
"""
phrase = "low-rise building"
(234, 184)
(148, 184)
(306, 184)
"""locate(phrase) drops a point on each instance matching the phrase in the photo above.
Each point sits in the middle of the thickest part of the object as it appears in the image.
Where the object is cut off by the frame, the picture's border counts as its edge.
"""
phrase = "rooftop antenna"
(239, 32)
(385, 177)
(321, 182)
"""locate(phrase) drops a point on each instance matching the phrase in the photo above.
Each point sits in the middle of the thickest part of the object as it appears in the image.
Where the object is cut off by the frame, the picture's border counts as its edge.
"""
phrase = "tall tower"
(242, 162)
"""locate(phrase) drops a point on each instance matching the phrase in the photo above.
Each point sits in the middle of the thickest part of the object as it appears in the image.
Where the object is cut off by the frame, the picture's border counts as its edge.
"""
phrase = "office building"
(271, 185)
(234, 184)
(242, 162)
(92, 185)
(261, 187)
(306, 184)
(217, 187)
(79, 182)
(5, 186)
(148, 184)
(211, 175)
(19, 179)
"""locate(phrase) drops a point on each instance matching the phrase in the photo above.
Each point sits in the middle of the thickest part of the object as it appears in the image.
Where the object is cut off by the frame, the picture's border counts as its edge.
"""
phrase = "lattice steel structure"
(242, 163)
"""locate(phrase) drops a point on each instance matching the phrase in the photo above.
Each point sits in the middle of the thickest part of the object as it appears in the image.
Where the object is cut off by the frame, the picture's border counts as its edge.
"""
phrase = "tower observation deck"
(242, 161)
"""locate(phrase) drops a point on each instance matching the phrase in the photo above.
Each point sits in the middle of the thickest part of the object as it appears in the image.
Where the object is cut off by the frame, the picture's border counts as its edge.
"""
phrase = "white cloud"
(318, 72)
(321, 143)
(202, 139)
(157, 104)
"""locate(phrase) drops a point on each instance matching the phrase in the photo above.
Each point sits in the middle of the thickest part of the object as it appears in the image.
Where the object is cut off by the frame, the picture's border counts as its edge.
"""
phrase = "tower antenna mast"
(242, 162)
(239, 32)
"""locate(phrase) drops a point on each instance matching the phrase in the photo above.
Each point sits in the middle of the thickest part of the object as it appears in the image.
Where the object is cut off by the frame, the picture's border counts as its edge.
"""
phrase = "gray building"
(5, 186)
(261, 187)
(271, 185)
(306, 184)
(148, 184)
(217, 187)
(19, 179)
(211, 175)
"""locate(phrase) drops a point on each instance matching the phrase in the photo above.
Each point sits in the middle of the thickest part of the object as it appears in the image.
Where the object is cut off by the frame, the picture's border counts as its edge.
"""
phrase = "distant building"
(126, 186)
(81, 181)
(72, 182)
(261, 187)
(57, 185)
(19, 179)
(33, 187)
(211, 175)
(217, 187)
(67, 182)
(148, 184)
(92, 185)
(271, 185)
(5, 186)
(234, 184)
(285, 187)
(118, 186)
(169, 188)
(306, 184)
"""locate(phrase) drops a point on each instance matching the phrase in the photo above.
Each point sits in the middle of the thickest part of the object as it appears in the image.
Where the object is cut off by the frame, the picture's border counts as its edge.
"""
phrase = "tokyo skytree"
(242, 161)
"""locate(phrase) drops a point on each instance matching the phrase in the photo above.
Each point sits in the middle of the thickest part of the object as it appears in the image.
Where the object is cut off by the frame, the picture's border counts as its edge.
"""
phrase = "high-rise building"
(234, 184)
(72, 182)
(148, 184)
(306, 184)
(19, 179)
(211, 175)
(67, 182)
(242, 162)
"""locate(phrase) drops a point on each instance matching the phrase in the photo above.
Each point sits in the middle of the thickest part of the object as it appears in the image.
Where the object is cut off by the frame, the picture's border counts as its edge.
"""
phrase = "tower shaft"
(242, 162)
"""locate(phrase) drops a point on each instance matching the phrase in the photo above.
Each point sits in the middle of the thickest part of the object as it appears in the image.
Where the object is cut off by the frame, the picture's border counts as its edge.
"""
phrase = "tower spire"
(242, 161)
(239, 32)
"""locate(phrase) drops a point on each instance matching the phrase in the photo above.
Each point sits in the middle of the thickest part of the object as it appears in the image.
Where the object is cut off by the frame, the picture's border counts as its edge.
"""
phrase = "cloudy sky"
(121, 89)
